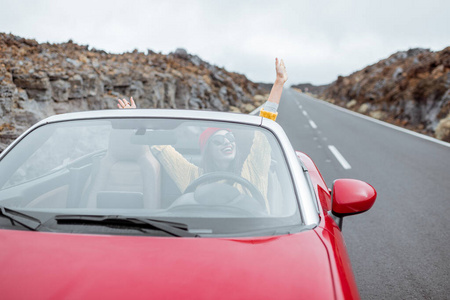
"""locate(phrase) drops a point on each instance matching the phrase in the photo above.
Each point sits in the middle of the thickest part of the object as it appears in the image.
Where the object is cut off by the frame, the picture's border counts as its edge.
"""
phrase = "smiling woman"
(219, 153)
(218, 147)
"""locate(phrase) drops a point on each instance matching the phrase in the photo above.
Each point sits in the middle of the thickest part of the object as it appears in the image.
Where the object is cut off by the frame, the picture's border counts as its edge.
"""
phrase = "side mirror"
(351, 197)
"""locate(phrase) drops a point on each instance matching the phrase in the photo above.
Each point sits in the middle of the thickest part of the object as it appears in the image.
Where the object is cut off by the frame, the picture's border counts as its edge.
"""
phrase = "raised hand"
(277, 88)
(125, 104)
(281, 71)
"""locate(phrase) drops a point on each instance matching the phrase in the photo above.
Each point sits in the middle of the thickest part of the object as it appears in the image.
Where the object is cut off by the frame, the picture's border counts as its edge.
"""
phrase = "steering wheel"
(215, 176)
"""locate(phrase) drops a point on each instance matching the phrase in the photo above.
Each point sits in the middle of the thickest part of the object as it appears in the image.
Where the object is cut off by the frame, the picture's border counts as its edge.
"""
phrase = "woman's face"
(223, 147)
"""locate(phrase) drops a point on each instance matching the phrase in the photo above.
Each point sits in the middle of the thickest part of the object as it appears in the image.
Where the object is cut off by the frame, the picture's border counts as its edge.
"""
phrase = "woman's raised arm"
(271, 106)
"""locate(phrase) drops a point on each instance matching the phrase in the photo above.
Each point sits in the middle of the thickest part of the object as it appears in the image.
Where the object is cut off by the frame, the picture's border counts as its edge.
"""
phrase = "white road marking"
(339, 157)
(305, 113)
(419, 135)
(313, 125)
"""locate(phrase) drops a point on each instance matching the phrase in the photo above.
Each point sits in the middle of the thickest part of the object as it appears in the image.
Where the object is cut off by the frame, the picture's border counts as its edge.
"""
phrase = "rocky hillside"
(410, 89)
(39, 80)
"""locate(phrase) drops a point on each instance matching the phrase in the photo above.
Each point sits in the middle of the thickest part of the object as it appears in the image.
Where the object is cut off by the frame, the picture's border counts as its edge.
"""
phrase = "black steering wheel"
(215, 176)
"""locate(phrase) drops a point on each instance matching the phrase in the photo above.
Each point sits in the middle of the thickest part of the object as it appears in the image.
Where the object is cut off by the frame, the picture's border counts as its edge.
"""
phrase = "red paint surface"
(308, 265)
(341, 269)
(38, 265)
(351, 196)
(330, 234)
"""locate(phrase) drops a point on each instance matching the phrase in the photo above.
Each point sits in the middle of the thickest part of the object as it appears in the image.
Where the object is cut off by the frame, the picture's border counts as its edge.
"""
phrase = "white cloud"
(319, 40)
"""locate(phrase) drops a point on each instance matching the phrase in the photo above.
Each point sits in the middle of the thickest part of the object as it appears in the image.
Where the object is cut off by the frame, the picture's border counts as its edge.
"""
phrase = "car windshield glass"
(218, 178)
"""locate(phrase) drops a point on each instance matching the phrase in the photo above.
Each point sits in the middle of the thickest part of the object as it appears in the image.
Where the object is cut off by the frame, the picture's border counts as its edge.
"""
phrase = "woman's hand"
(277, 88)
(125, 104)
(282, 76)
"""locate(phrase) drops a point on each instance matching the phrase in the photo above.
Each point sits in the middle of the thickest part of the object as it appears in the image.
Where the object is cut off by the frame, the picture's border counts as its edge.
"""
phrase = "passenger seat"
(128, 176)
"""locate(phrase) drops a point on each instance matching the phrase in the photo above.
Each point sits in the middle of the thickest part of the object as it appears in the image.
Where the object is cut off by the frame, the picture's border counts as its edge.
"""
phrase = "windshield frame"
(304, 194)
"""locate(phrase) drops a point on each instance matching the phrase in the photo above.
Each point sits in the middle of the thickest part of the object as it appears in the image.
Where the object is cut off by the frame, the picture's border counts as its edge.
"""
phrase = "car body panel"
(343, 277)
(331, 235)
(311, 264)
(61, 266)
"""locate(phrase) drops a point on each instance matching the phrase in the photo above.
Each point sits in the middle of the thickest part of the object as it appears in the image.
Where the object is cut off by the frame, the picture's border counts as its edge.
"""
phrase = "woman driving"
(219, 150)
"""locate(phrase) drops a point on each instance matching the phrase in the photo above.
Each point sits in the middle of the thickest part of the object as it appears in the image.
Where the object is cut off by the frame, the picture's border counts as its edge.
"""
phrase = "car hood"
(54, 265)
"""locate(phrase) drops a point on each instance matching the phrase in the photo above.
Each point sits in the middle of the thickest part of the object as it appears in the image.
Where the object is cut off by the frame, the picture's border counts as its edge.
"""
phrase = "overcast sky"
(318, 40)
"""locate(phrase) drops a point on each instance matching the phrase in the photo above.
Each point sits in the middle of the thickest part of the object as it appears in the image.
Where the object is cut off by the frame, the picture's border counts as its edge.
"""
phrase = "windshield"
(217, 178)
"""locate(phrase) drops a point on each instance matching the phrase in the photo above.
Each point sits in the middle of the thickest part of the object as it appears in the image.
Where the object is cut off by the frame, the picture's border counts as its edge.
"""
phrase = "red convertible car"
(170, 204)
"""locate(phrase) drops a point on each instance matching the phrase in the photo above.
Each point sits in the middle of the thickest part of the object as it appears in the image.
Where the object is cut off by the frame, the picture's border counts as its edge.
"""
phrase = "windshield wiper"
(172, 228)
(20, 218)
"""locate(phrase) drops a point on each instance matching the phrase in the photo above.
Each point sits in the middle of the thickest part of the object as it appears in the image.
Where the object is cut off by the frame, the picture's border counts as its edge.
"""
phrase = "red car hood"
(64, 266)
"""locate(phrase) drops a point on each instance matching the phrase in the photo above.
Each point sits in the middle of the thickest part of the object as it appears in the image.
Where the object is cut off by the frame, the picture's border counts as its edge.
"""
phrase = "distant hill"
(39, 80)
(310, 88)
(410, 89)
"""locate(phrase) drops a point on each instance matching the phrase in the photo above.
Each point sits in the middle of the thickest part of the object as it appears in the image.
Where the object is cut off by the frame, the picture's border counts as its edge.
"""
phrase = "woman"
(218, 147)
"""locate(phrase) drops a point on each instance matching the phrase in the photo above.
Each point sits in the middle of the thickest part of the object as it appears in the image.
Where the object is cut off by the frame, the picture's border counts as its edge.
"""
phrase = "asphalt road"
(400, 249)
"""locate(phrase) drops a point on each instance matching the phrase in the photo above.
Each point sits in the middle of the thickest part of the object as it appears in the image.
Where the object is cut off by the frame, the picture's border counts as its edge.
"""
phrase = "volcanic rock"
(39, 80)
(410, 89)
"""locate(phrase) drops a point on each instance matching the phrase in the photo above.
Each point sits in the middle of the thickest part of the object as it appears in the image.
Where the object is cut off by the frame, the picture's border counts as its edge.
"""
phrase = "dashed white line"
(313, 125)
(339, 157)
(381, 122)
(305, 113)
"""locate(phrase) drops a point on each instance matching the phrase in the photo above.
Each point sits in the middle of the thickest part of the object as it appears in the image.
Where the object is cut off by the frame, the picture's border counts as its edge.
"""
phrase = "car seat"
(128, 176)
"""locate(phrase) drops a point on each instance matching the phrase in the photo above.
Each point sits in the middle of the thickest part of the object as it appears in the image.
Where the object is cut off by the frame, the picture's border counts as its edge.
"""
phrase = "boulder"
(351, 103)
(61, 90)
(364, 108)
(443, 129)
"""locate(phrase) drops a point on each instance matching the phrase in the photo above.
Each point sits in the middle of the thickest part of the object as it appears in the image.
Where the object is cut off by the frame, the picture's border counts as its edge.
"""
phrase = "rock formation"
(39, 80)
(410, 89)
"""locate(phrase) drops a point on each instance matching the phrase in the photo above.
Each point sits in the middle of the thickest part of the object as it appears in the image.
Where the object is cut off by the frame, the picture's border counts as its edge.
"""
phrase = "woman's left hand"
(282, 76)
(125, 104)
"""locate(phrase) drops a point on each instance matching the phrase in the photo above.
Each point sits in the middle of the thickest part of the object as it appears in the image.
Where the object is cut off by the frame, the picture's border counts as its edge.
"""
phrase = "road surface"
(400, 249)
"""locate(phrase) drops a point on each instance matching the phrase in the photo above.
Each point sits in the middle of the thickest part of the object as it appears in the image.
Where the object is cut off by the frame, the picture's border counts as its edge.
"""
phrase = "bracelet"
(268, 114)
